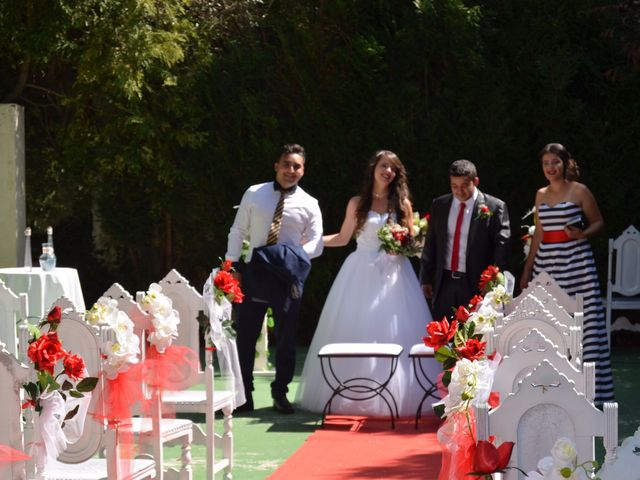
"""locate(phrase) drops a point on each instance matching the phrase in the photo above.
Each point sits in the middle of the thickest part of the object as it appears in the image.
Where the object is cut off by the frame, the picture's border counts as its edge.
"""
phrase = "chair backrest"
(546, 407)
(12, 375)
(531, 351)
(79, 337)
(543, 279)
(13, 308)
(188, 302)
(541, 301)
(625, 278)
(515, 327)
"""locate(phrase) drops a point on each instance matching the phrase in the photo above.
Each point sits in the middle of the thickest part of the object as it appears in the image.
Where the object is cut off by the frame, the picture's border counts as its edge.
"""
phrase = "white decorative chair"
(173, 431)
(78, 461)
(531, 351)
(13, 309)
(544, 280)
(544, 408)
(623, 274)
(516, 326)
(13, 375)
(627, 461)
(539, 299)
(188, 302)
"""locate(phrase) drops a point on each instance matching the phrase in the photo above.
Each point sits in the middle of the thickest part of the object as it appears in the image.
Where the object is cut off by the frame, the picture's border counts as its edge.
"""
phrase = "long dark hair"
(570, 170)
(398, 189)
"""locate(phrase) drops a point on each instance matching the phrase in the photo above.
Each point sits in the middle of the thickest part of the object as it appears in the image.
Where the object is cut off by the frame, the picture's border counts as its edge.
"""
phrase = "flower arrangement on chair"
(467, 378)
(49, 393)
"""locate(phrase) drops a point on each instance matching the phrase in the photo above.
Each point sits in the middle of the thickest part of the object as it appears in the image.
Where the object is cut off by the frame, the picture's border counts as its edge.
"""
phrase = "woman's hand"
(574, 233)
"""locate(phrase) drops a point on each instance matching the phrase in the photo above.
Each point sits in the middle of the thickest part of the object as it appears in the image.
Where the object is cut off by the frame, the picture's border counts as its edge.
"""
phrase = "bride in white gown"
(375, 298)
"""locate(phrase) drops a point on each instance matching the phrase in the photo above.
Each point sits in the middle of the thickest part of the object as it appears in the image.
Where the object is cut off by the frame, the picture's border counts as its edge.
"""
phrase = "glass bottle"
(28, 263)
(50, 241)
(47, 259)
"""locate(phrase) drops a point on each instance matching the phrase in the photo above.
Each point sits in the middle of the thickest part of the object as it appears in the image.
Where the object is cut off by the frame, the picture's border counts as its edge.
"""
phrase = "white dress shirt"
(464, 231)
(301, 221)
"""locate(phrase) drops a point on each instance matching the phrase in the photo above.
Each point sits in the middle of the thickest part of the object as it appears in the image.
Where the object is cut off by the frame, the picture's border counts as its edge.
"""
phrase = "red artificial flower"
(227, 265)
(488, 459)
(74, 366)
(46, 351)
(474, 302)
(484, 210)
(28, 403)
(427, 217)
(228, 285)
(55, 315)
(489, 274)
(494, 399)
(440, 333)
(473, 349)
(462, 314)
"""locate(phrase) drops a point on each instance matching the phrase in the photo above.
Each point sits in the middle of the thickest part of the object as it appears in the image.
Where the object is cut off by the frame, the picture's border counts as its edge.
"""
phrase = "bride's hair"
(398, 190)
(571, 169)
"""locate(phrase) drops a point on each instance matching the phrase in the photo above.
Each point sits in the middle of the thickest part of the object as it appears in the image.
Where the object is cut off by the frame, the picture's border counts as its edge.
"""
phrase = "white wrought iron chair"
(623, 274)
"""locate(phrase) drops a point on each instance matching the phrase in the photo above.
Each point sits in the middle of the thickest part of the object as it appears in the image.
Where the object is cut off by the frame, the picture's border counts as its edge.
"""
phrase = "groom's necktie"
(455, 251)
(276, 223)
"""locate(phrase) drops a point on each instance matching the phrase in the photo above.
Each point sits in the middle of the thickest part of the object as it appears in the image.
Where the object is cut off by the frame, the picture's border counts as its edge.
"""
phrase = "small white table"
(44, 288)
(360, 388)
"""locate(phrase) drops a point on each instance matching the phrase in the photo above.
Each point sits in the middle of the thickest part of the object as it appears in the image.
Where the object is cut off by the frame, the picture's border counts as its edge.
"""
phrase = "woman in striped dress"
(567, 215)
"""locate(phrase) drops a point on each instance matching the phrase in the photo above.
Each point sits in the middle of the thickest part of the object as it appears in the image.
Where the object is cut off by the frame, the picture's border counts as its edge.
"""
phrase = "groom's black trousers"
(262, 289)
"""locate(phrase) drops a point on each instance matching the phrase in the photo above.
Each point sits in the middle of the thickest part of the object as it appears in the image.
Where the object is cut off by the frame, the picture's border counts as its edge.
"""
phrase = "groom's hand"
(427, 290)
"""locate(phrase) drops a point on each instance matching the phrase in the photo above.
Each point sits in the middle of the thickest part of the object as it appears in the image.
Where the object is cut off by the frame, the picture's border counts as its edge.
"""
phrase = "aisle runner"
(363, 448)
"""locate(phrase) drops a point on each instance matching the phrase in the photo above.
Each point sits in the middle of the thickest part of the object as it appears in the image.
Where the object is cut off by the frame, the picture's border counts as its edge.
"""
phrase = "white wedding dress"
(375, 298)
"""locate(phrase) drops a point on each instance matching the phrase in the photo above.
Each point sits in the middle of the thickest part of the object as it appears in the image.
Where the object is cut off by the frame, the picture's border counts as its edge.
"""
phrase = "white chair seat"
(421, 350)
(96, 469)
(192, 401)
(170, 428)
(360, 350)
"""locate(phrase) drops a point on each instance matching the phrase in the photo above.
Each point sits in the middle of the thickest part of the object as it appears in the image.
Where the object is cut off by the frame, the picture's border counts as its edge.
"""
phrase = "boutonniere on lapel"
(484, 213)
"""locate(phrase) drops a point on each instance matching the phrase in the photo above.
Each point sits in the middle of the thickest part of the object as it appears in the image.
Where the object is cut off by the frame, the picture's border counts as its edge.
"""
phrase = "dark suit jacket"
(487, 243)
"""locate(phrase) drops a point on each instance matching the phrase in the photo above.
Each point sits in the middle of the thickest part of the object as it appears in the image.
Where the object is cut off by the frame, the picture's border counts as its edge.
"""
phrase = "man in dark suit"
(468, 231)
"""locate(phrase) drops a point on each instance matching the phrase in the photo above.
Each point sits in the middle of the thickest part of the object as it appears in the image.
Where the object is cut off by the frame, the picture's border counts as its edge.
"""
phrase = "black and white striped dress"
(572, 265)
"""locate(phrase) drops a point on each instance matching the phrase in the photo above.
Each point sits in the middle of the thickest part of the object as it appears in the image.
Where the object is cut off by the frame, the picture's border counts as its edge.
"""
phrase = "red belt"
(555, 236)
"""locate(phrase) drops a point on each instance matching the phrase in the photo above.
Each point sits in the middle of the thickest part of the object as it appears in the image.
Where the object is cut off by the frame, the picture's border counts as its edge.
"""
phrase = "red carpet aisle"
(364, 448)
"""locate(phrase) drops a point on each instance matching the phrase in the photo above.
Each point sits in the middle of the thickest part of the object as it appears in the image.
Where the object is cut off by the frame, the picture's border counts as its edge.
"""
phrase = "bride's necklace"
(379, 195)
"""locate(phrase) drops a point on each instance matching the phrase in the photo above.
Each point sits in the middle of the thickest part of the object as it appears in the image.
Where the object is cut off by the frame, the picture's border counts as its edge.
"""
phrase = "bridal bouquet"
(397, 240)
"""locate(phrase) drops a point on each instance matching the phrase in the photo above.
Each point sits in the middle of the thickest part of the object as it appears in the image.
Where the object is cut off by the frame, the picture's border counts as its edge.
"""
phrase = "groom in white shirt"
(283, 225)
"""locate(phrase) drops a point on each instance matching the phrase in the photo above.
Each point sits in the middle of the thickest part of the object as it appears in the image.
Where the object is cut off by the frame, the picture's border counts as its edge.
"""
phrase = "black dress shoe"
(245, 407)
(282, 405)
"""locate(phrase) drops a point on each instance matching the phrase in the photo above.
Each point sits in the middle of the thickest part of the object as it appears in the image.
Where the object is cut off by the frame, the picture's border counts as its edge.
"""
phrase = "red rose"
(461, 315)
(427, 217)
(46, 351)
(473, 349)
(227, 265)
(223, 280)
(488, 459)
(55, 315)
(490, 273)
(74, 366)
(440, 333)
(474, 302)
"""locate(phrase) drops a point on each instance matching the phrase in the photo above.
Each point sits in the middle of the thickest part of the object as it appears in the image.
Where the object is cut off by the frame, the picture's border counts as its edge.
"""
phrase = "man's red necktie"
(456, 240)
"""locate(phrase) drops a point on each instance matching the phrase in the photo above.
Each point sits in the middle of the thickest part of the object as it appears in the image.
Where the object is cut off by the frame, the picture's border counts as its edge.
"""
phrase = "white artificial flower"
(155, 302)
(497, 298)
(165, 330)
(102, 311)
(564, 452)
(470, 385)
(484, 318)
